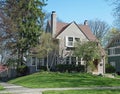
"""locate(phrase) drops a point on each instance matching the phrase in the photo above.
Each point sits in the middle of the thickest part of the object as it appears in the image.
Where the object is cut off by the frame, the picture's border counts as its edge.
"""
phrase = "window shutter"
(66, 41)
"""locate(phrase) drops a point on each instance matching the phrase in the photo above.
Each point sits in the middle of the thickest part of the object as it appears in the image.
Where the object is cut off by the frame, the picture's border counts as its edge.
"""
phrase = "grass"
(54, 80)
(1, 87)
(83, 92)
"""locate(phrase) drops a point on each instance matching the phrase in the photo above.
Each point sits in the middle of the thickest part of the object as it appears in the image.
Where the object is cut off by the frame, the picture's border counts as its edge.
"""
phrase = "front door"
(95, 63)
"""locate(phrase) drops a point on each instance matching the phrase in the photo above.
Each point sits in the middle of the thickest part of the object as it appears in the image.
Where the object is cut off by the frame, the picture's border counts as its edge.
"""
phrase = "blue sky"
(80, 10)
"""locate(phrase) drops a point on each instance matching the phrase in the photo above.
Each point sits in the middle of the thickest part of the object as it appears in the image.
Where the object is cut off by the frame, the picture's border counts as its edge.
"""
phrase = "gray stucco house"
(67, 34)
(114, 52)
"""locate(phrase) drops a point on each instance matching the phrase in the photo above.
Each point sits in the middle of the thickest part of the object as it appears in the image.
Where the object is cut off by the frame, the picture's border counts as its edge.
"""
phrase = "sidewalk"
(14, 89)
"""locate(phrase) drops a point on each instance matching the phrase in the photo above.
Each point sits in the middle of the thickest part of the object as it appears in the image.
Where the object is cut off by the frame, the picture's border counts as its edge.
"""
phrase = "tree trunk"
(20, 57)
(47, 62)
(86, 67)
(18, 61)
(53, 60)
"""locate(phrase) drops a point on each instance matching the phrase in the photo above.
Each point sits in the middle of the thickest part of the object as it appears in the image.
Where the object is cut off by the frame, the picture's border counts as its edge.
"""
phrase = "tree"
(116, 11)
(47, 47)
(99, 28)
(88, 51)
(28, 17)
(113, 32)
(7, 36)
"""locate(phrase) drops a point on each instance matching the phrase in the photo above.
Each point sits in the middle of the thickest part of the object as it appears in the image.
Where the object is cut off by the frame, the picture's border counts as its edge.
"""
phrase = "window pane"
(73, 60)
(70, 38)
(70, 43)
(33, 60)
(77, 39)
(67, 60)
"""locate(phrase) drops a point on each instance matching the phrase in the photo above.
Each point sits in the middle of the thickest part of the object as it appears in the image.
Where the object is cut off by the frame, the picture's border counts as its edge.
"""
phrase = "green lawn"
(1, 87)
(83, 92)
(52, 80)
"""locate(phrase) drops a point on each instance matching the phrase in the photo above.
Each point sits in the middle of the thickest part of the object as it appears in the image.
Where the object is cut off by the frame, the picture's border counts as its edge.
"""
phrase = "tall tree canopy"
(27, 16)
(99, 28)
(7, 36)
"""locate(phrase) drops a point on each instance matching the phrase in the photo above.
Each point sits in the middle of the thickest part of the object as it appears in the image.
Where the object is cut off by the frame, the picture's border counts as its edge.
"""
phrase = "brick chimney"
(53, 23)
(86, 22)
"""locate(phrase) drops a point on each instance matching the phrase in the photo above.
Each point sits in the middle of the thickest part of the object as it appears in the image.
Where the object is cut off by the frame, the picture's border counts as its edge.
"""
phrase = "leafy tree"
(113, 32)
(47, 47)
(27, 15)
(88, 51)
(99, 28)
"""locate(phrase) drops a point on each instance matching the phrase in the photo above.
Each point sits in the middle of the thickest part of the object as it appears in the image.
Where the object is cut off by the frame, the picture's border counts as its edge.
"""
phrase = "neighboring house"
(67, 34)
(114, 52)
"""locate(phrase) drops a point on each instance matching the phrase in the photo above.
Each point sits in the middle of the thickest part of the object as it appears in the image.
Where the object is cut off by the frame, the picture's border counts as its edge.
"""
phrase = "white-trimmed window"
(113, 64)
(68, 60)
(77, 39)
(69, 41)
(40, 62)
(112, 51)
(73, 60)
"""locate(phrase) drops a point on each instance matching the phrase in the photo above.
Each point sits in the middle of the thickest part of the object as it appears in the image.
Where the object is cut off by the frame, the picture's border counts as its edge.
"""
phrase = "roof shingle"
(61, 26)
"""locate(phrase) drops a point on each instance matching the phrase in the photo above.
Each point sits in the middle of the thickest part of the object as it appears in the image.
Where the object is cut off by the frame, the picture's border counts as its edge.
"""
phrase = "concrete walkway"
(14, 89)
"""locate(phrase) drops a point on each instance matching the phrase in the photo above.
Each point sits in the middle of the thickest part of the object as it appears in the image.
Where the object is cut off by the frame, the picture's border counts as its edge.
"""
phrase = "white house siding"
(100, 67)
(70, 31)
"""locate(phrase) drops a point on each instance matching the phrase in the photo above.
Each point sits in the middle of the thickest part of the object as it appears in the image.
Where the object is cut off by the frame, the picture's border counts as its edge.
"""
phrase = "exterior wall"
(114, 54)
(70, 31)
(114, 51)
(34, 67)
(12, 73)
(101, 66)
(115, 60)
(28, 61)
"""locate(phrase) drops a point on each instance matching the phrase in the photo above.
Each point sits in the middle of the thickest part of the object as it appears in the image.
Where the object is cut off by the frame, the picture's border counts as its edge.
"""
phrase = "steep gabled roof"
(86, 30)
(61, 26)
